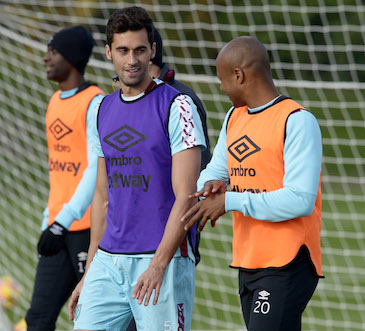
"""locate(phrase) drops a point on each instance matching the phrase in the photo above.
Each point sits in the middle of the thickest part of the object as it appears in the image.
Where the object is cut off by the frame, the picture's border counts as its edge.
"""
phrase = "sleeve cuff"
(45, 219)
(233, 201)
(65, 218)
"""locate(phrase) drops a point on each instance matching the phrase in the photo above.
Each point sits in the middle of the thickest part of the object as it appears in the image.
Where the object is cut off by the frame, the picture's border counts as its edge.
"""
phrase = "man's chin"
(50, 76)
(53, 78)
(132, 83)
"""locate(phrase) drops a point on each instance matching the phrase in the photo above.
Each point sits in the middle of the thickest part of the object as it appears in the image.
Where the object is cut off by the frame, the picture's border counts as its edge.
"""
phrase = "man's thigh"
(77, 246)
(103, 303)
(53, 284)
(278, 298)
(106, 300)
(174, 308)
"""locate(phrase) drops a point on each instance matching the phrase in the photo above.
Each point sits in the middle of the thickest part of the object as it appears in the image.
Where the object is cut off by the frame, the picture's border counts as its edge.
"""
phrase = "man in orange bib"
(269, 151)
(64, 243)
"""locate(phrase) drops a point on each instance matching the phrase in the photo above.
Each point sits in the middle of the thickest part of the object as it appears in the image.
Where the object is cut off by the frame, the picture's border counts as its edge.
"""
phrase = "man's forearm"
(173, 235)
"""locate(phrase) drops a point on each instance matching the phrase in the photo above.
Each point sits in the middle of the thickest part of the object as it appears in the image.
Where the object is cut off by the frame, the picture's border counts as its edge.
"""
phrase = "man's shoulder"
(182, 88)
(164, 88)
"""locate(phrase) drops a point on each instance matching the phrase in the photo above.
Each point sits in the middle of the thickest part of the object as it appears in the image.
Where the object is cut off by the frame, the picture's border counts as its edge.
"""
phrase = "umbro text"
(62, 148)
(243, 172)
(124, 160)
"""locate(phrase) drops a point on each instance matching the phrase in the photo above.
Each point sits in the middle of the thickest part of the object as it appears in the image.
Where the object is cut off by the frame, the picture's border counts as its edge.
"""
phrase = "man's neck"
(149, 88)
(72, 81)
(132, 91)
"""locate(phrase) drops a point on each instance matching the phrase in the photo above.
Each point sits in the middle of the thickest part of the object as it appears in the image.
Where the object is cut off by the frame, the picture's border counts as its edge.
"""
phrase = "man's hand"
(211, 187)
(210, 208)
(52, 240)
(74, 299)
(150, 280)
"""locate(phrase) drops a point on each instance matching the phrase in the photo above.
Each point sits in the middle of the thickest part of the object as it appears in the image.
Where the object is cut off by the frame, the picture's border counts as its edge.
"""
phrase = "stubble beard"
(133, 82)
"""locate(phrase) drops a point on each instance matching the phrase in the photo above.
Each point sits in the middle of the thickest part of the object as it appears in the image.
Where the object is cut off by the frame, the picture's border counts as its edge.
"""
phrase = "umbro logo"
(242, 148)
(124, 138)
(56, 229)
(59, 129)
(82, 256)
(263, 295)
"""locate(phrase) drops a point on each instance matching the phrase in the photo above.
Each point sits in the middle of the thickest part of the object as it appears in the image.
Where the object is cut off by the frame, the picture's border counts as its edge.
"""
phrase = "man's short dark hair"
(130, 18)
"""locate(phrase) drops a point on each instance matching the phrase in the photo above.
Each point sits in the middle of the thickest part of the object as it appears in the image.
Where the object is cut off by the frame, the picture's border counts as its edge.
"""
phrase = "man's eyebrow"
(125, 47)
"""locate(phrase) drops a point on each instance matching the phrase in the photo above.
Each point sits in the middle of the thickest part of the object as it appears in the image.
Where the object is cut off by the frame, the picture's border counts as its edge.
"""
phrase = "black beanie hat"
(75, 44)
(158, 57)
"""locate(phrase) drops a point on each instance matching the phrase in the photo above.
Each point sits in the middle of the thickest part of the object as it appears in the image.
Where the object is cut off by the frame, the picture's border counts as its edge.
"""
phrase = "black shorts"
(275, 298)
(55, 280)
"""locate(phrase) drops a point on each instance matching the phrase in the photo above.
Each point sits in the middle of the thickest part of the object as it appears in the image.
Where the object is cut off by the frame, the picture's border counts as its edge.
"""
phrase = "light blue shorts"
(106, 300)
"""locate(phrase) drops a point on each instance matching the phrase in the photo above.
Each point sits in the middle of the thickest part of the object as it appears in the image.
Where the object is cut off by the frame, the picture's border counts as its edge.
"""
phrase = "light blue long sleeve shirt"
(81, 199)
(302, 166)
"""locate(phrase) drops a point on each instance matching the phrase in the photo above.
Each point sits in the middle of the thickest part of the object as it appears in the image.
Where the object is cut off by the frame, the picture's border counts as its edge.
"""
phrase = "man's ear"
(153, 54)
(239, 75)
(108, 52)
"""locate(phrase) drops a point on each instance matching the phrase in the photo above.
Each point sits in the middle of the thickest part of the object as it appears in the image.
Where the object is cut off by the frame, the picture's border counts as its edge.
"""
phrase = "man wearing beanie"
(64, 242)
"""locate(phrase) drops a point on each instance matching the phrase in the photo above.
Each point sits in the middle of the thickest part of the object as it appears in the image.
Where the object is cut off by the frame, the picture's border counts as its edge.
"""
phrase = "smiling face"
(231, 81)
(57, 67)
(131, 53)
(243, 67)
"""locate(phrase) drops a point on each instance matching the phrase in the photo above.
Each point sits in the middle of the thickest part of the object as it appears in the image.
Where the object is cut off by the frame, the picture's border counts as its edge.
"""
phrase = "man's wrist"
(159, 262)
(65, 218)
(233, 201)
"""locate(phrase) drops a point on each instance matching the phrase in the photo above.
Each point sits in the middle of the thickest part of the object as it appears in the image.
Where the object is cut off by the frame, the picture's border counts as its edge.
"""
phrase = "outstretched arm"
(212, 186)
(185, 172)
(302, 159)
(302, 162)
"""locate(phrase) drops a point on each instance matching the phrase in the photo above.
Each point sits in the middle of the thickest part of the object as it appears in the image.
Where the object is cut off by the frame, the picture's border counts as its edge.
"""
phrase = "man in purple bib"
(149, 140)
